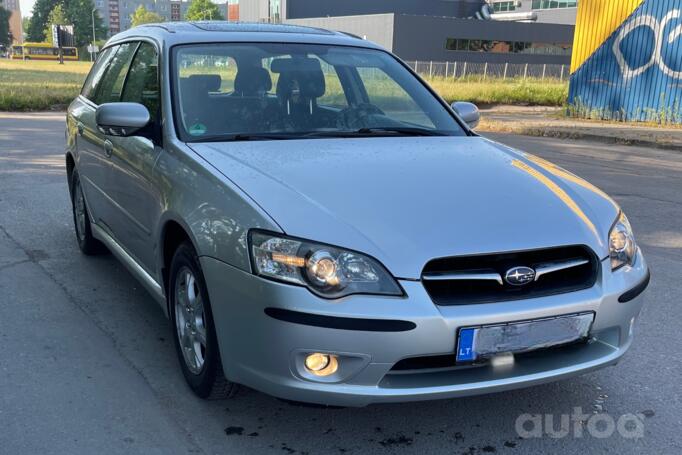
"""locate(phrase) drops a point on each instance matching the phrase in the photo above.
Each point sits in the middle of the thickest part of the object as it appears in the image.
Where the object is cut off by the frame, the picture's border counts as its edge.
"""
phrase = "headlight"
(327, 271)
(622, 246)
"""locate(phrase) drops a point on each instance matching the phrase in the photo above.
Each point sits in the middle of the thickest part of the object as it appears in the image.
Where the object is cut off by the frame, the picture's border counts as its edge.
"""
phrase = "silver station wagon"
(321, 226)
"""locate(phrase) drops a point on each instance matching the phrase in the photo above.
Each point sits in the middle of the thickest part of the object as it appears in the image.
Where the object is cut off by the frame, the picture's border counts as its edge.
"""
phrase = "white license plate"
(475, 343)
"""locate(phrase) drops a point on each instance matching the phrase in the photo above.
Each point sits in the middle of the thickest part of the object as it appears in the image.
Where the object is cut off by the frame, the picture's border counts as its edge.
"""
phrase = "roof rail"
(162, 26)
(352, 35)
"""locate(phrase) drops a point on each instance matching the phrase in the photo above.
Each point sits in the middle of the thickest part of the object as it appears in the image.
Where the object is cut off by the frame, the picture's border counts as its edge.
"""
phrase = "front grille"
(465, 280)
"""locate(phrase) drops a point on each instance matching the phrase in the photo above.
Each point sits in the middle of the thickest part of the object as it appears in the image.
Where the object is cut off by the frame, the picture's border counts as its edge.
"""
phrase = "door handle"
(81, 128)
(108, 148)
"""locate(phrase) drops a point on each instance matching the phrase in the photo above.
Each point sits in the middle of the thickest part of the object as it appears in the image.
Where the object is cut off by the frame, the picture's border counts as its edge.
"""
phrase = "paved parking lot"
(87, 363)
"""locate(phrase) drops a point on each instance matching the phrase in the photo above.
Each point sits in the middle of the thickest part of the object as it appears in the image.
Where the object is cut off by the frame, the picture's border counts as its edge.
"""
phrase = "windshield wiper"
(374, 131)
(243, 137)
(403, 130)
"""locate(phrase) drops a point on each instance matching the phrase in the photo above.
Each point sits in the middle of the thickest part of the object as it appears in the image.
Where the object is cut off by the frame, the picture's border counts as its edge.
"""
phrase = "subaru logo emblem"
(518, 276)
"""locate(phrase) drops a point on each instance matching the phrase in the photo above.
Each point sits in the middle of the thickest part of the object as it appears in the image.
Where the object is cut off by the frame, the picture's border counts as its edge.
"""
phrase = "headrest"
(205, 82)
(304, 74)
(285, 65)
(252, 80)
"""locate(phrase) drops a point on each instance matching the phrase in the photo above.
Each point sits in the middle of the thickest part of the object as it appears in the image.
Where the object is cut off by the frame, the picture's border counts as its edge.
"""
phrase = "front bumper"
(264, 351)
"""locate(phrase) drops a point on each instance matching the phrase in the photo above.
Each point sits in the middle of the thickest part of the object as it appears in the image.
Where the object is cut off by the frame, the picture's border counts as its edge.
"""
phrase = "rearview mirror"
(467, 112)
(121, 119)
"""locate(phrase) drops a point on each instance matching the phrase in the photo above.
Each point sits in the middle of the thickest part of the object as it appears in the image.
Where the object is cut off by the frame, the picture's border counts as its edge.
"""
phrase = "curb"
(563, 134)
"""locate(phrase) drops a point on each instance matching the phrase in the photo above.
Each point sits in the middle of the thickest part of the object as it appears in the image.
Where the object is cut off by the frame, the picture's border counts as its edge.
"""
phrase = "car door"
(97, 146)
(109, 91)
(131, 181)
(92, 164)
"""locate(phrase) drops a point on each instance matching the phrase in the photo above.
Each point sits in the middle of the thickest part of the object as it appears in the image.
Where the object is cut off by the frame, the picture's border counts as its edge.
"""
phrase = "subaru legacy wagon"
(319, 225)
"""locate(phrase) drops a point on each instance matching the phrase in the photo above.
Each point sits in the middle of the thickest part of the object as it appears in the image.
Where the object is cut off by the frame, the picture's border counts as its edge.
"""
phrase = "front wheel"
(196, 343)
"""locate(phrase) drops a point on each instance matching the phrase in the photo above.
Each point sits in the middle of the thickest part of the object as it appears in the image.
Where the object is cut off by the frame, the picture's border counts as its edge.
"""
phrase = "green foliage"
(76, 13)
(79, 14)
(202, 10)
(666, 116)
(5, 35)
(39, 85)
(36, 28)
(548, 92)
(56, 17)
(143, 16)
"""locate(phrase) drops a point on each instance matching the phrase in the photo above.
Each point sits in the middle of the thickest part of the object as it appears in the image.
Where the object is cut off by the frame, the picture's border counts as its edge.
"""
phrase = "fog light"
(321, 364)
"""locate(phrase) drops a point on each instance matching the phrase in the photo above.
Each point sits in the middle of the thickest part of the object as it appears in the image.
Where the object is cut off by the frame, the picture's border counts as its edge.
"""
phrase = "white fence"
(490, 70)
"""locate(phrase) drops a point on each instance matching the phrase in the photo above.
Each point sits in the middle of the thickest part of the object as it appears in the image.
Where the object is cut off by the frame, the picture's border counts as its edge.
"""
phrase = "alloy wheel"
(190, 320)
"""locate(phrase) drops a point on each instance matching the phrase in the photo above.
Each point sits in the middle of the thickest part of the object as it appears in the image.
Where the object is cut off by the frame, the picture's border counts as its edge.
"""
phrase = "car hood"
(406, 201)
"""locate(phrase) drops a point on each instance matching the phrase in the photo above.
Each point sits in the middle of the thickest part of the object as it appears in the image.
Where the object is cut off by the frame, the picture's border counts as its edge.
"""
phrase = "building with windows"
(545, 11)
(495, 31)
(116, 13)
(232, 10)
(15, 26)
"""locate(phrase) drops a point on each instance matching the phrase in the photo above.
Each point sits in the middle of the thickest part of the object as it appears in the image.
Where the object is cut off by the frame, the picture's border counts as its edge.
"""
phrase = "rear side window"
(110, 88)
(142, 83)
(96, 73)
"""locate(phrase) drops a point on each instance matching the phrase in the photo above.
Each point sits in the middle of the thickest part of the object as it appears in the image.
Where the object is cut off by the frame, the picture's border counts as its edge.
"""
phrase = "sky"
(26, 7)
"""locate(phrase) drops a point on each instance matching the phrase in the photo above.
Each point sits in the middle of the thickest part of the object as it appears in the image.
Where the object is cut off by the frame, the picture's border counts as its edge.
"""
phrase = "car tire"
(196, 343)
(87, 243)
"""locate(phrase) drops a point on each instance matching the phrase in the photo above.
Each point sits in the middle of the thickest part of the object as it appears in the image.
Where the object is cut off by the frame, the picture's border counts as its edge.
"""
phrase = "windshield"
(243, 91)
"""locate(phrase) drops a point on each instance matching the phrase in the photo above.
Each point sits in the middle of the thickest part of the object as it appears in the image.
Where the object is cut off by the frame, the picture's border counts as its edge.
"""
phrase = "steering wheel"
(358, 116)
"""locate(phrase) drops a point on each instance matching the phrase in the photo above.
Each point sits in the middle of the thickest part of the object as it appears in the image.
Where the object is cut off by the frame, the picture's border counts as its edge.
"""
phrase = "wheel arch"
(173, 233)
(70, 168)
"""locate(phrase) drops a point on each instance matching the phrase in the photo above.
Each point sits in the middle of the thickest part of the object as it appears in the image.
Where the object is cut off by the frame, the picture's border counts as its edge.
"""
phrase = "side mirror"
(121, 119)
(467, 112)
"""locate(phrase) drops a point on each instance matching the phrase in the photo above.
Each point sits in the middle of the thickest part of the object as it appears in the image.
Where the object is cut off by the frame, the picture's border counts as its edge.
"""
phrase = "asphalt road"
(87, 363)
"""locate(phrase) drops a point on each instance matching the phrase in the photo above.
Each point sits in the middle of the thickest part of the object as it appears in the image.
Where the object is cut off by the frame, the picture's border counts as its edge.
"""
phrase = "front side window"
(109, 90)
(226, 91)
(142, 83)
(96, 73)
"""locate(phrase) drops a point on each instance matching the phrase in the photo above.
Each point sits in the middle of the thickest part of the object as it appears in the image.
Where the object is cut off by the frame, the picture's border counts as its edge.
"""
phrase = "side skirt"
(150, 284)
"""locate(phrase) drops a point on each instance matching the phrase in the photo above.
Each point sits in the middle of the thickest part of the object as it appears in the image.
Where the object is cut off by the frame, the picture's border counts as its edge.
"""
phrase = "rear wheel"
(194, 331)
(81, 219)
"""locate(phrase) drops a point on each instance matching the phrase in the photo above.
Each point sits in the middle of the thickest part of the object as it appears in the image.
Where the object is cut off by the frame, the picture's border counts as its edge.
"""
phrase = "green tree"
(25, 23)
(201, 10)
(143, 16)
(77, 13)
(56, 17)
(5, 35)
(35, 32)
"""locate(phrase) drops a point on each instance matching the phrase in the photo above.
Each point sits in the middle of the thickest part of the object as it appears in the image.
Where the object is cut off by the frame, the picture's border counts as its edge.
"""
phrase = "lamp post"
(92, 54)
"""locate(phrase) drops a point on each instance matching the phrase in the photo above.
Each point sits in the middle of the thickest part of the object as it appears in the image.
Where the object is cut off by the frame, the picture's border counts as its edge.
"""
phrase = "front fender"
(215, 213)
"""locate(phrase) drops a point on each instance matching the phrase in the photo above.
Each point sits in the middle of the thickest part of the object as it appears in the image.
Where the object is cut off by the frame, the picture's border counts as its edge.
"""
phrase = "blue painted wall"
(636, 74)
